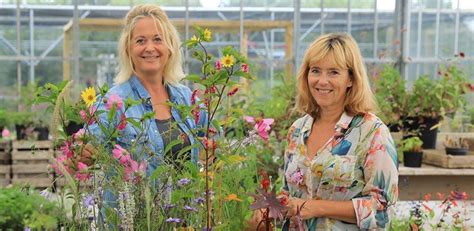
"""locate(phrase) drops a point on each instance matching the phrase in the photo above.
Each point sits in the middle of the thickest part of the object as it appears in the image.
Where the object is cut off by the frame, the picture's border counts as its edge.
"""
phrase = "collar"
(137, 85)
(342, 123)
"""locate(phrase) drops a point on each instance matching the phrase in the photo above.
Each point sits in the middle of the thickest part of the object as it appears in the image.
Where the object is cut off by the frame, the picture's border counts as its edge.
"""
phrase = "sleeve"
(381, 181)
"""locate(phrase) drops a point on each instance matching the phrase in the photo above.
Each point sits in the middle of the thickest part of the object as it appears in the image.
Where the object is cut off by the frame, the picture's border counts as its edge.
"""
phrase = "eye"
(157, 39)
(333, 73)
(314, 70)
(140, 41)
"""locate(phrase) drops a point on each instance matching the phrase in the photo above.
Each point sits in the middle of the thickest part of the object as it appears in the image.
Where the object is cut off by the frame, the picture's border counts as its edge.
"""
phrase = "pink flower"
(262, 125)
(66, 149)
(80, 175)
(61, 159)
(114, 99)
(295, 178)
(5, 132)
(121, 155)
(245, 68)
(79, 134)
(218, 65)
(232, 91)
(123, 122)
(134, 168)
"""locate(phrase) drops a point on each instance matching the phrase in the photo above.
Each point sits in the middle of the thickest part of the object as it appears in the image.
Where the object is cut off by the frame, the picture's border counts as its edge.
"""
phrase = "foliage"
(4, 119)
(412, 144)
(23, 208)
(455, 142)
(391, 95)
(438, 97)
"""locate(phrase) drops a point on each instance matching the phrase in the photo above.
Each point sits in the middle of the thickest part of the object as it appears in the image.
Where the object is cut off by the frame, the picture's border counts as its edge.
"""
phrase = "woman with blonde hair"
(149, 72)
(341, 164)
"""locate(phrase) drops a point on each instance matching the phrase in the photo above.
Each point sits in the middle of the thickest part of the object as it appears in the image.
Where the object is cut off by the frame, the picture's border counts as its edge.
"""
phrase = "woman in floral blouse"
(341, 163)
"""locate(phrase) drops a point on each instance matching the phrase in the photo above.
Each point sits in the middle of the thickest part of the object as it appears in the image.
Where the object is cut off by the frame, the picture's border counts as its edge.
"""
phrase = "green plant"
(23, 208)
(412, 144)
(438, 97)
(4, 119)
(391, 95)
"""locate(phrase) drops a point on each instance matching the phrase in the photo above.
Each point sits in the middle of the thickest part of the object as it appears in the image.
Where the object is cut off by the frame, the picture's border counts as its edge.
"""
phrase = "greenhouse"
(236, 114)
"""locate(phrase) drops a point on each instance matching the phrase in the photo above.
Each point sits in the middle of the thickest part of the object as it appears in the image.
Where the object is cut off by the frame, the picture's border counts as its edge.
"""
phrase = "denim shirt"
(150, 144)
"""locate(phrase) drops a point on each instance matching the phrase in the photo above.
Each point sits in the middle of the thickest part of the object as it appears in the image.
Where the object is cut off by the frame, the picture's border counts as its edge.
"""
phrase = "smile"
(324, 90)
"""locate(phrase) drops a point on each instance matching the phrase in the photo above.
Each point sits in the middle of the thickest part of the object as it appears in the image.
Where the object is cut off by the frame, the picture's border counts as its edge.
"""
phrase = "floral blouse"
(358, 163)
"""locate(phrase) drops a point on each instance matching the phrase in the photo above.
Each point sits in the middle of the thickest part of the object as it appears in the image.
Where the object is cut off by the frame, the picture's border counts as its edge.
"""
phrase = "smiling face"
(148, 51)
(328, 83)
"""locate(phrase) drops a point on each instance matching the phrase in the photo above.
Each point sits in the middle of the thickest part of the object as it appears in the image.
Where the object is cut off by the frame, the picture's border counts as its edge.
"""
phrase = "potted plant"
(412, 152)
(432, 99)
(391, 96)
(456, 146)
(4, 120)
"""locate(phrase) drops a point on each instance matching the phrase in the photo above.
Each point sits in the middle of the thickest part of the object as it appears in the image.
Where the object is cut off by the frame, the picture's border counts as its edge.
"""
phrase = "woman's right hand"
(86, 154)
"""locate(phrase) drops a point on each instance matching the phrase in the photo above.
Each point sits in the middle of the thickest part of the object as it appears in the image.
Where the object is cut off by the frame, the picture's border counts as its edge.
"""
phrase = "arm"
(381, 181)
(339, 210)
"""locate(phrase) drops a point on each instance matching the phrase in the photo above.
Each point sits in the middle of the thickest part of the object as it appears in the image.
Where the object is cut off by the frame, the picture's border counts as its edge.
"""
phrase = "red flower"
(193, 97)
(245, 68)
(461, 54)
(123, 122)
(233, 91)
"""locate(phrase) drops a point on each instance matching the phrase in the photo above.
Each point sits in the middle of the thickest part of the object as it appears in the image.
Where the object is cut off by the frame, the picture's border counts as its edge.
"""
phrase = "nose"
(148, 46)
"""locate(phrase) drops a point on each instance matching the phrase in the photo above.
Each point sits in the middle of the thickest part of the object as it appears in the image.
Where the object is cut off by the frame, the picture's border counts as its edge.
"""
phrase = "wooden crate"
(5, 175)
(438, 157)
(31, 163)
(5, 154)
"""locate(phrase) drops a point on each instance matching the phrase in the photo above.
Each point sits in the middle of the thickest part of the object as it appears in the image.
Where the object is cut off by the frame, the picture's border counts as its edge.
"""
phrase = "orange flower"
(233, 197)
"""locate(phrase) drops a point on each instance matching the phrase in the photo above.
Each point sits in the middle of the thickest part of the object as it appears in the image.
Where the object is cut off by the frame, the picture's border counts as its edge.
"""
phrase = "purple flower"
(88, 200)
(199, 200)
(189, 208)
(27, 229)
(183, 182)
(169, 206)
(173, 220)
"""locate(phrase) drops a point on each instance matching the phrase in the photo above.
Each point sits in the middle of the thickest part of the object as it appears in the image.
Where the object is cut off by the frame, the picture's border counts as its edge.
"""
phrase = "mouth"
(324, 91)
(150, 57)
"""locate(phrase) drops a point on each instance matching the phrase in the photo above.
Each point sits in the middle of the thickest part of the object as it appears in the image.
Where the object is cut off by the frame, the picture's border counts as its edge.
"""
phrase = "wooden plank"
(29, 145)
(31, 168)
(439, 157)
(4, 182)
(32, 155)
(5, 171)
(40, 182)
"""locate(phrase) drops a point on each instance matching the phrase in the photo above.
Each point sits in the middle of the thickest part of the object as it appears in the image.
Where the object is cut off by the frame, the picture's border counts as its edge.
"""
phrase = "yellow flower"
(233, 197)
(228, 60)
(89, 96)
(194, 38)
(207, 35)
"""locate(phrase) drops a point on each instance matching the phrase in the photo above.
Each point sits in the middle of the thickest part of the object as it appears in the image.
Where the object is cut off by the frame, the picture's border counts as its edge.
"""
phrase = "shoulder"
(370, 123)
(181, 88)
(123, 90)
(299, 124)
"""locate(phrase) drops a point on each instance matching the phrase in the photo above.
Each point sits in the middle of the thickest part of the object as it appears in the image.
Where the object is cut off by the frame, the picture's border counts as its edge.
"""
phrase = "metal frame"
(295, 32)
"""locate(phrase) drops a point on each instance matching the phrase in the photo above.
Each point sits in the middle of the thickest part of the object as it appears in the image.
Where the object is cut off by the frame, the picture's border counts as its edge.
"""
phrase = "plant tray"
(5, 154)
(31, 152)
(5, 172)
(438, 157)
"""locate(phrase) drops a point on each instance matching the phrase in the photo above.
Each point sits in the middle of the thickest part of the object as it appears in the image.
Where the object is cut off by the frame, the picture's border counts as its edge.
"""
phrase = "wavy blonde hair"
(359, 98)
(173, 71)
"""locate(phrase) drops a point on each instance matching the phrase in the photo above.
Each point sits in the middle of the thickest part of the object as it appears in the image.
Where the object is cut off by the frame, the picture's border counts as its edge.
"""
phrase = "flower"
(233, 90)
(173, 220)
(207, 35)
(199, 200)
(121, 154)
(295, 178)
(228, 61)
(233, 197)
(123, 122)
(5, 132)
(114, 99)
(194, 38)
(183, 182)
(89, 96)
(262, 125)
(190, 208)
(218, 65)
(244, 67)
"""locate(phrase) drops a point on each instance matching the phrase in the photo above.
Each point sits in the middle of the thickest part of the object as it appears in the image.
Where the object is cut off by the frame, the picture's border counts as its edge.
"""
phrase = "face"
(328, 83)
(148, 50)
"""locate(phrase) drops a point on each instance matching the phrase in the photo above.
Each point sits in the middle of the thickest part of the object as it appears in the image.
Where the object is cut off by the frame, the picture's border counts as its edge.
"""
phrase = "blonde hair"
(173, 71)
(359, 98)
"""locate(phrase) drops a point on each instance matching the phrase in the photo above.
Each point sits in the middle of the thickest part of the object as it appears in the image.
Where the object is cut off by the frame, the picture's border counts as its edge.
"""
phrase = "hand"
(306, 208)
(86, 154)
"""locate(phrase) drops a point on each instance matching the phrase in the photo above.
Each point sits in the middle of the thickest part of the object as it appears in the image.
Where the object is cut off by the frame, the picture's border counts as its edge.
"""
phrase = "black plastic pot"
(72, 128)
(456, 151)
(423, 127)
(412, 159)
(20, 132)
(43, 133)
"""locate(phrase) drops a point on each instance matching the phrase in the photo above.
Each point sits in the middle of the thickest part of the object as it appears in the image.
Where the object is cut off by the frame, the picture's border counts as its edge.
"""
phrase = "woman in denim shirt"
(150, 71)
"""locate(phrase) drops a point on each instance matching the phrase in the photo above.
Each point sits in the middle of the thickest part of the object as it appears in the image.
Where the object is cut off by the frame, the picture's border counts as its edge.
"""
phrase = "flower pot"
(72, 128)
(412, 159)
(423, 126)
(456, 151)
(43, 133)
(20, 132)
